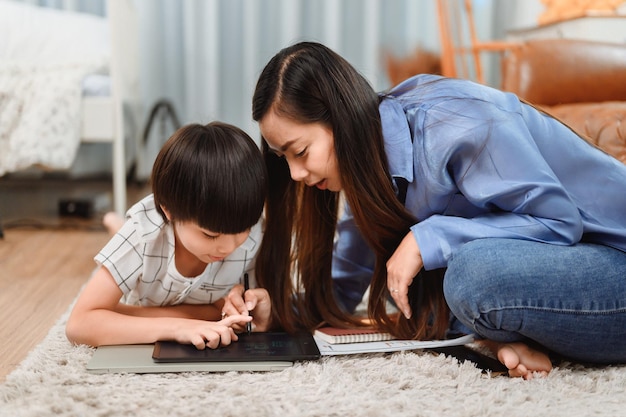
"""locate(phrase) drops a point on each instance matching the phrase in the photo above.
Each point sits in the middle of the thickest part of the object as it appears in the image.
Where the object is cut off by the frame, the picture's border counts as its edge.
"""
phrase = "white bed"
(68, 78)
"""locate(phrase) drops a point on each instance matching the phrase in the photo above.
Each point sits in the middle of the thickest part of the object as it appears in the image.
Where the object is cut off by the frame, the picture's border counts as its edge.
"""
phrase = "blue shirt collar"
(397, 137)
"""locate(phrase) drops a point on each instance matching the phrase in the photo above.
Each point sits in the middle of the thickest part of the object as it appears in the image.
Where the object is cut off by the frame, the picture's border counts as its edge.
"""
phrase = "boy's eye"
(212, 237)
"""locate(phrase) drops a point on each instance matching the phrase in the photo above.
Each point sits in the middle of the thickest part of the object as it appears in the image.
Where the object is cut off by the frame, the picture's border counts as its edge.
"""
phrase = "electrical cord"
(163, 110)
(167, 107)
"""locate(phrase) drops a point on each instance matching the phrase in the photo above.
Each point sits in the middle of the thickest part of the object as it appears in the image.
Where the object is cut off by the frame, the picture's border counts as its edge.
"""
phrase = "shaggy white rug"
(52, 381)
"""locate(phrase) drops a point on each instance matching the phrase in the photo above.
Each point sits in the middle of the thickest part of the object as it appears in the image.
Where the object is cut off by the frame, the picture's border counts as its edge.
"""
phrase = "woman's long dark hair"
(310, 83)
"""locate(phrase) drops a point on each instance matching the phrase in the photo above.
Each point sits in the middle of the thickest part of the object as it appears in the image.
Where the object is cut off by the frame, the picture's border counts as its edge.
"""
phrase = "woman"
(459, 198)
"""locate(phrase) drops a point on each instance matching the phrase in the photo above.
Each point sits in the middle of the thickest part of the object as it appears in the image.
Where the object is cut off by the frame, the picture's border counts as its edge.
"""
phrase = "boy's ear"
(167, 213)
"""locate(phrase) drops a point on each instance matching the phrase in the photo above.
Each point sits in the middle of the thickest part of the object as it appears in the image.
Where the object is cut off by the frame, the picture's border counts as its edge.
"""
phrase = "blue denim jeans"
(569, 299)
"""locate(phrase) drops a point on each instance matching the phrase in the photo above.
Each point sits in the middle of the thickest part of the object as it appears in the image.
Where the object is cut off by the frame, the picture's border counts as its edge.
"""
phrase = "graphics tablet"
(138, 359)
(250, 347)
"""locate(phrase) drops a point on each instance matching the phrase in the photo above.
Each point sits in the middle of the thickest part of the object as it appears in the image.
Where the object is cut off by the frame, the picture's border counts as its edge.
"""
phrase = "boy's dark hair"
(212, 175)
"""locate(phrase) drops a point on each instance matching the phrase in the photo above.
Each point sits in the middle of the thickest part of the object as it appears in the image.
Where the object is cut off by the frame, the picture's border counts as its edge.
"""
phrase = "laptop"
(139, 358)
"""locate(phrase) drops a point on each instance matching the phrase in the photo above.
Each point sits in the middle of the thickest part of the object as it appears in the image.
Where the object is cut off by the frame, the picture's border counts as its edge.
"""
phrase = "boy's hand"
(212, 334)
(255, 300)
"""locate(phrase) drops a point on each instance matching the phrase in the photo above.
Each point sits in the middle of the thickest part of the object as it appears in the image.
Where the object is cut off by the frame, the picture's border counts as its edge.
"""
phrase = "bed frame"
(115, 119)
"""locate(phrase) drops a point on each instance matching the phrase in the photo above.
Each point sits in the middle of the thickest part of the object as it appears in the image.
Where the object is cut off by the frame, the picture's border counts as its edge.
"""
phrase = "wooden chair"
(460, 47)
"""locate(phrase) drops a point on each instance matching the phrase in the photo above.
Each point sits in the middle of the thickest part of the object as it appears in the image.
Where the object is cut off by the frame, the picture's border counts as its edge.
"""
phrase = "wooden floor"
(41, 273)
(44, 261)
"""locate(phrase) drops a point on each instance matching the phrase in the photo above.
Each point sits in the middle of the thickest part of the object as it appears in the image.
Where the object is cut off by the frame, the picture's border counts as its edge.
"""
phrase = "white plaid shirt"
(141, 259)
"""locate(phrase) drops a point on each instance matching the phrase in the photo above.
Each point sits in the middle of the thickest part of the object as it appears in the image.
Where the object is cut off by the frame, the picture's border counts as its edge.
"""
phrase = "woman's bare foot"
(522, 360)
(113, 222)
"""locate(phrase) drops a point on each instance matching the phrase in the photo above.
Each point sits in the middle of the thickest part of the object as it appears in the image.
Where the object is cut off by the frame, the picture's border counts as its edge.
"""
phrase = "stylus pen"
(246, 287)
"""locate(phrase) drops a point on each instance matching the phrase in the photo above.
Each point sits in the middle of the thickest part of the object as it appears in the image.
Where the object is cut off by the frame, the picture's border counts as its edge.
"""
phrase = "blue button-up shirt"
(479, 163)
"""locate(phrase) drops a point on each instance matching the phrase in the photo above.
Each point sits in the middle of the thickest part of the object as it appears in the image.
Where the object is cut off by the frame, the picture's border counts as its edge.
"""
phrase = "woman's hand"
(402, 267)
(212, 334)
(256, 301)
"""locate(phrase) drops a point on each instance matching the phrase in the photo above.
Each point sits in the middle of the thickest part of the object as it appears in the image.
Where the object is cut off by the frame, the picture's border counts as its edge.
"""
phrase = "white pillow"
(31, 34)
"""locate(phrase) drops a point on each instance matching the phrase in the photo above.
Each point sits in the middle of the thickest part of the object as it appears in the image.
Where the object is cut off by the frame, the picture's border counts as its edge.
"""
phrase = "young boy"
(165, 273)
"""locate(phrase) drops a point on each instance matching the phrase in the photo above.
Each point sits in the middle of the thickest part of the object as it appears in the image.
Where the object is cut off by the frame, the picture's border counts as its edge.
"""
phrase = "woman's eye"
(301, 153)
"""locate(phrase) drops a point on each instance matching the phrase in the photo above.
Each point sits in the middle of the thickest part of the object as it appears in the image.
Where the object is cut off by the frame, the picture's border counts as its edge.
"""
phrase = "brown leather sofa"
(581, 82)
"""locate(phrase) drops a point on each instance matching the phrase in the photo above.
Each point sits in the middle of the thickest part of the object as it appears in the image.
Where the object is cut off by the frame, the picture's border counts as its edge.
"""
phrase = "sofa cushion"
(558, 71)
